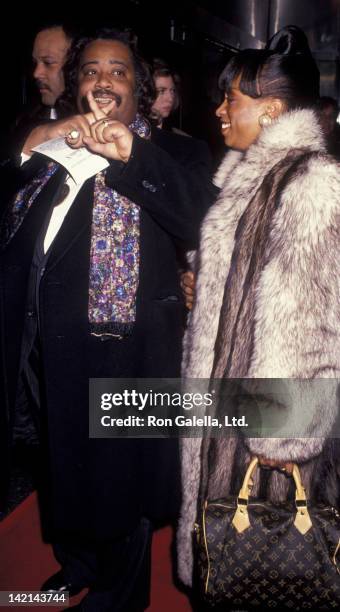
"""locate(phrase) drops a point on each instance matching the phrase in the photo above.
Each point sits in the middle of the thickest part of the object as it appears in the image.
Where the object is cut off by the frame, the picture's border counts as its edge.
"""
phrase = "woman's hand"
(277, 465)
(188, 288)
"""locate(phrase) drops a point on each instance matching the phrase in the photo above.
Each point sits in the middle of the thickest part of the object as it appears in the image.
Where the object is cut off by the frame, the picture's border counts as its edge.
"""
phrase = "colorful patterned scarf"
(114, 256)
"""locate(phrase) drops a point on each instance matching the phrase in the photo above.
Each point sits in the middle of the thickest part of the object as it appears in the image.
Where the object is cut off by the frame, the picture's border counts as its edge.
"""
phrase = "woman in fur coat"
(267, 302)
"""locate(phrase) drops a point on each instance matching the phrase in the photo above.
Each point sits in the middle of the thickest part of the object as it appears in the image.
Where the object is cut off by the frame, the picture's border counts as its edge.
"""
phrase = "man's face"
(49, 55)
(106, 69)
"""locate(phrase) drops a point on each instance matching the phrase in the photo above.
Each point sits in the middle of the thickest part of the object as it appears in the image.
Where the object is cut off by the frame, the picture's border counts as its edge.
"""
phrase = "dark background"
(196, 38)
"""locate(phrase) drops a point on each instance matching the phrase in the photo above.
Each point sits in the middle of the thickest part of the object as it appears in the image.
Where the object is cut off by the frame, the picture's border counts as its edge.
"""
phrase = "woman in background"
(166, 84)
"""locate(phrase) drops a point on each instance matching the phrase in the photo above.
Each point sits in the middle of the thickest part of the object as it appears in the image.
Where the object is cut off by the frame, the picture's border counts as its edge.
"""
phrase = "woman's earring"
(265, 120)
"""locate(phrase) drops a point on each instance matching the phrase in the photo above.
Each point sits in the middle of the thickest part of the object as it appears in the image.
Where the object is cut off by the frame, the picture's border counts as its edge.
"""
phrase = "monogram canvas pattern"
(271, 565)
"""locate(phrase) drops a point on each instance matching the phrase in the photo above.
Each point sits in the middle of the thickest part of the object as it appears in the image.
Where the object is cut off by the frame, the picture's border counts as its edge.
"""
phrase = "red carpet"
(25, 561)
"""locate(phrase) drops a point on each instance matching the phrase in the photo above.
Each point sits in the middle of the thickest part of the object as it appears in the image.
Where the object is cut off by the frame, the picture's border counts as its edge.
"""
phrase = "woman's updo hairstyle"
(285, 69)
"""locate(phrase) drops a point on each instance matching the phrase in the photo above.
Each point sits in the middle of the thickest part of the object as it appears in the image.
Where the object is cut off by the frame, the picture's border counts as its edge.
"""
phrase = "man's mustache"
(42, 85)
(101, 93)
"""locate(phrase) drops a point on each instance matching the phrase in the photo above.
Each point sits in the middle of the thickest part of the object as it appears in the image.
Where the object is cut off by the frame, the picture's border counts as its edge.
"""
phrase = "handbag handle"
(241, 520)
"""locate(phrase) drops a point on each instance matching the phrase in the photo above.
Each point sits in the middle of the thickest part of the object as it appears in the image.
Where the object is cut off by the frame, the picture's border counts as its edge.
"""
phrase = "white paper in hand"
(79, 163)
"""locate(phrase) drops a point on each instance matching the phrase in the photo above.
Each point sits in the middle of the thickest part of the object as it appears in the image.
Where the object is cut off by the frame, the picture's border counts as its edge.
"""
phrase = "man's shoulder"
(178, 145)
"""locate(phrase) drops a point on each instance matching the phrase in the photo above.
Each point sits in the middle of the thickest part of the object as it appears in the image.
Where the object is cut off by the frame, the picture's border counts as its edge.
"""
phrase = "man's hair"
(69, 29)
(144, 84)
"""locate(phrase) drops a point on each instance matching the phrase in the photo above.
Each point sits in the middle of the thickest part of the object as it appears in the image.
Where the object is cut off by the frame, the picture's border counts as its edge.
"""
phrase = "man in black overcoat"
(101, 496)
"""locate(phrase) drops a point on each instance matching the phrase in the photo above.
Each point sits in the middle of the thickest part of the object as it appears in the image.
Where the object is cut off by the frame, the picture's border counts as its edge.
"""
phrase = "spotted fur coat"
(297, 310)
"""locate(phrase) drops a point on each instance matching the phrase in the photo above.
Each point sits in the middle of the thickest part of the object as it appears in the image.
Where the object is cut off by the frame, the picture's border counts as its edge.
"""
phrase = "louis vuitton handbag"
(257, 554)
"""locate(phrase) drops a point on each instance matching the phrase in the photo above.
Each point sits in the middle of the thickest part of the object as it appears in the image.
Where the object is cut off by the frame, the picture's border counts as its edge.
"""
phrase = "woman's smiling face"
(239, 115)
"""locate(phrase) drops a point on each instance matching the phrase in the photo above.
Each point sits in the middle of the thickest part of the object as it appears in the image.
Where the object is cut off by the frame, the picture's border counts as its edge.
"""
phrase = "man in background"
(50, 48)
(49, 53)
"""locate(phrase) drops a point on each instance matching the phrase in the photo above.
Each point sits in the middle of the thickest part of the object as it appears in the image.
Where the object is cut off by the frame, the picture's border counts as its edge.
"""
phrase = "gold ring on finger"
(73, 135)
